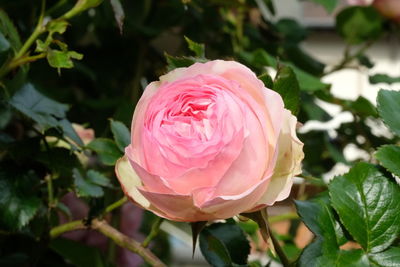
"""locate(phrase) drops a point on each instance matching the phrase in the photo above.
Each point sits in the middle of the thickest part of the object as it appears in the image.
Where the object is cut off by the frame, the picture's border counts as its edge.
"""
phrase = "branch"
(126, 242)
(119, 238)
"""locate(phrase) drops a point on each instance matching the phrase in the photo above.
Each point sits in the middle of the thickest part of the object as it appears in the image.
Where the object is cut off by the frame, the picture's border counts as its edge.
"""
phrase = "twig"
(126, 242)
(115, 205)
(155, 228)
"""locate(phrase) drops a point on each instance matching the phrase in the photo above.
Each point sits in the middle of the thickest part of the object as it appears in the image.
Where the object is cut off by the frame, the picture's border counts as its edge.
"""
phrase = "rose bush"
(208, 142)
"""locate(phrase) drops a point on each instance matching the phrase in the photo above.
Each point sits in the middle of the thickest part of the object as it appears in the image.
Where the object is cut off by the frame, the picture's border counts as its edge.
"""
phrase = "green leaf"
(388, 108)
(214, 250)
(119, 13)
(179, 62)
(4, 44)
(18, 204)
(121, 134)
(387, 258)
(287, 86)
(267, 80)
(329, 5)
(291, 30)
(383, 78)
(57, 26)
(365, 61)
(106, 149)
(85, 187)
(198, 49)
(77, 253)
(59, 160)
(362, 107)
(224, 244)
(358, 24)
(389, 157)
(62, 59)
(9, 31)
(98, 178)
(367, 203)
(69, 131)
(318, 216)
(38, 107)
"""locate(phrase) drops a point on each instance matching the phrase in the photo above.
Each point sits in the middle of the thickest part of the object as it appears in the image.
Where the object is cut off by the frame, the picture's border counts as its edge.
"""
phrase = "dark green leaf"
(119, 13)
(106, 149)
(358, 24)
(98, 178)
(362, 107)
(84, 187)
(9, 31)
(267, 80)
(388, 108)
(291, 30)
(389, 157)
(287, 86)
(214, 250)
(367, 203)
(383, 78)
(318, 216)
(225, 242)
(179, 62)
(198, 49)
(329, 5)
(60, 160)
(77, 253)
(70, 132)
(38, 107)
(365, 61)
(4, 44)
(121, 134)
(18, 204)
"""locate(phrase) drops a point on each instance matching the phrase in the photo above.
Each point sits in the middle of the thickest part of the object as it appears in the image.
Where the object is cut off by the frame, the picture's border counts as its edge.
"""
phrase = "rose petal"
(288, 163)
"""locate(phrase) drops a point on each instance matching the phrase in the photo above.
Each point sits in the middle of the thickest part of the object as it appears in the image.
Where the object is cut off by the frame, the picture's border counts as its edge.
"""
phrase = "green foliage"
(18, 203)
(359, 24)
(77, 253)
(368, 207)
(383, 78)
(106, 149)
(389, 157)
(224, 244)
(287, 86)
(121, 133)
(388, 108)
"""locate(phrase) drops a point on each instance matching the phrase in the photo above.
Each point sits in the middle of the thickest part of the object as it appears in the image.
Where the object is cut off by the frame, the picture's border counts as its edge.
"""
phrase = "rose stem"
(155, 228)
(112, 233)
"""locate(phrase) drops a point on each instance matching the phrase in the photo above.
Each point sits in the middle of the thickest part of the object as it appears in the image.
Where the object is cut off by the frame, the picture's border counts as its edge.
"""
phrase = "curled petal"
(288, 164)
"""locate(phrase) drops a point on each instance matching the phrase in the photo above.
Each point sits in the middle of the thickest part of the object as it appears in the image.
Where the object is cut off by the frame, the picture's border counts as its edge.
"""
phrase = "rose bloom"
(209, 142)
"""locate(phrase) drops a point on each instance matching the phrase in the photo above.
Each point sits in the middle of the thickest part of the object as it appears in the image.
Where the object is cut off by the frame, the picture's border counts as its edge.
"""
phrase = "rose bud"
(209, 142)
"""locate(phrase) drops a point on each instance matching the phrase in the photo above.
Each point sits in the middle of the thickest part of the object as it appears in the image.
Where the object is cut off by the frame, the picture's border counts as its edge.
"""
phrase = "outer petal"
(130, 182)
(288, 163)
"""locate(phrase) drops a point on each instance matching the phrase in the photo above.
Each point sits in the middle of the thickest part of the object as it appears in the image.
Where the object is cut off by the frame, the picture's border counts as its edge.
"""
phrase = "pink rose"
(209, 142)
